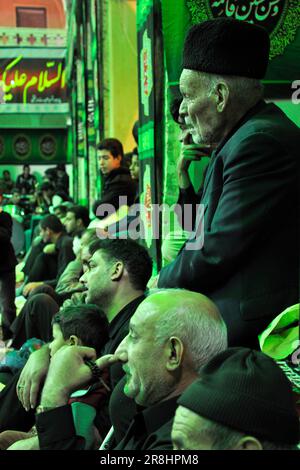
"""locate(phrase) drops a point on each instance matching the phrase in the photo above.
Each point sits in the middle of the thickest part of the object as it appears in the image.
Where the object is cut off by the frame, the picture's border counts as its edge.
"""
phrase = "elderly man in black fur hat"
(246, 257)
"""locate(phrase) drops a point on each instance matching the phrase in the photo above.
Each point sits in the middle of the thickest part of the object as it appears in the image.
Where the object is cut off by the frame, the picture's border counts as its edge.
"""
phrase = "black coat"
(117, 183)
(8, 259)
(249, 262)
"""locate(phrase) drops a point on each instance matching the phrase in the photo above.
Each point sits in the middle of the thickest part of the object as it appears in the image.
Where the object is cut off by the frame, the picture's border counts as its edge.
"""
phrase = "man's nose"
(182, 110)
(121, 350)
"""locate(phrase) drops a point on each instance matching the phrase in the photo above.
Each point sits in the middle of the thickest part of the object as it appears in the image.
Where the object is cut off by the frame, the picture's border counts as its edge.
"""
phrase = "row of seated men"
(151, 346)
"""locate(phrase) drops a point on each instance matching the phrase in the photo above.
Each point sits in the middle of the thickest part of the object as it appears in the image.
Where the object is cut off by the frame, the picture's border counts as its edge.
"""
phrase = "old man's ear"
(221, 95)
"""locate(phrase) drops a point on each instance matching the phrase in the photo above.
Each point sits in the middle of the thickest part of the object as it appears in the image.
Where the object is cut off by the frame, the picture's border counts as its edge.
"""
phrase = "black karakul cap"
(245, 390)
(226, 46)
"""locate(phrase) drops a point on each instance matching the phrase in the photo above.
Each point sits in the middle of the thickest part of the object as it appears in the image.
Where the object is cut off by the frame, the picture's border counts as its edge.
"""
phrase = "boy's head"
(50, 226)
(110, 155)
(80, 325)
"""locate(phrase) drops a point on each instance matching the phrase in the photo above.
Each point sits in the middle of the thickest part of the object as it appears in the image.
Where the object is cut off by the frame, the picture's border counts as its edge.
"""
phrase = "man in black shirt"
(117, 181)
(116, 283)
(26, 182)
(48, 268)
(171, 335)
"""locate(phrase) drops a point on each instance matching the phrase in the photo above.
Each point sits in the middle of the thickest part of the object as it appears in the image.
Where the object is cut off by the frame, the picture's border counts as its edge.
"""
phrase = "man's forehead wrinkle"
(145, 312)
(185, 419)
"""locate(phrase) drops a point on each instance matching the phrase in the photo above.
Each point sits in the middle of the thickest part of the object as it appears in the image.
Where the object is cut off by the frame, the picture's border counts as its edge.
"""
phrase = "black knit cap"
(227, 46)
(245, 390)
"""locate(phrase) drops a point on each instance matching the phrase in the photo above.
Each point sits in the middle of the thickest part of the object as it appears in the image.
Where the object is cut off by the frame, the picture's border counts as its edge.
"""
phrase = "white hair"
(197, 324)
(243, 90)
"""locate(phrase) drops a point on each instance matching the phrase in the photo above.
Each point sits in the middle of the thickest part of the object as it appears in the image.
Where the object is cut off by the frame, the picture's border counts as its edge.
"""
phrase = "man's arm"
(32, 377)
(69, 279)
(54, 421)
(257, 177)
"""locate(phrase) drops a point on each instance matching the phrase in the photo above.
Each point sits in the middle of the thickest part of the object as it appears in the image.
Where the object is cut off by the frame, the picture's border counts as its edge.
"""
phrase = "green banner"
(150, 81)
(281, 18)
(34, 146)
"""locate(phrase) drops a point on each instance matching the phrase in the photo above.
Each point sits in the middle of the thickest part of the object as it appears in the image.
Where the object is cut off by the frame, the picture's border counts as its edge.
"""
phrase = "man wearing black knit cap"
(242, 401)
(248, 263)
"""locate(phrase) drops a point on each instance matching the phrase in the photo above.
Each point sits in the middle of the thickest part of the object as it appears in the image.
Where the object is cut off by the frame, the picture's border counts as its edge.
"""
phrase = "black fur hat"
(227, 47)
(245, 390)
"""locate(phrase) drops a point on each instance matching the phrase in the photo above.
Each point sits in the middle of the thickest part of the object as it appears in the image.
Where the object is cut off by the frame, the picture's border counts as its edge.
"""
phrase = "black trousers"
(7, 301)
(31, 257)
(34, 320)
(43, 268)
(12, 414)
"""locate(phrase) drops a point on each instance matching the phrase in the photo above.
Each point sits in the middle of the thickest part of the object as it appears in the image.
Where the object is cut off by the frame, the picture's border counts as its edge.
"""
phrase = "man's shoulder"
(160, 438)
(5, 217)
(271, 122)
(119, 175)
(267, 131)
(65, 241)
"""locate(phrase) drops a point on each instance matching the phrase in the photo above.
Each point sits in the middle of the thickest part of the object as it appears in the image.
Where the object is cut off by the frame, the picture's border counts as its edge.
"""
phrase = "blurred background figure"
(7, 275)
(26, 182)
(6, 182)
(59, 178)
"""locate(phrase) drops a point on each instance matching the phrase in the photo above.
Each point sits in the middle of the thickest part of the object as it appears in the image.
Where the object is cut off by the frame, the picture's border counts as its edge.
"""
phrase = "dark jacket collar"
(123, 316)
(117, 172)
(254, 110)
(60, 240)
(251, 112)
(154, 417)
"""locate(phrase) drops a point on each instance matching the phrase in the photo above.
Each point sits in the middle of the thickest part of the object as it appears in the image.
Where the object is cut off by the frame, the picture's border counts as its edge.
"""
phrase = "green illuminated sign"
(32, 81)
(280, 18)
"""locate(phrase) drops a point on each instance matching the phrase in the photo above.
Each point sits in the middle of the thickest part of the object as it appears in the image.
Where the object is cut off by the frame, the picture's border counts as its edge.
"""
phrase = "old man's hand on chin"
(69, 372)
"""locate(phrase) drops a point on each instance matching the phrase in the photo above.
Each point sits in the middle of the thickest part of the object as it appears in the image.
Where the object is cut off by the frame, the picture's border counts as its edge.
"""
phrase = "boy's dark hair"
(114, 146)
(134, 256)
(52, 222)
(80, 212)
(88, 322)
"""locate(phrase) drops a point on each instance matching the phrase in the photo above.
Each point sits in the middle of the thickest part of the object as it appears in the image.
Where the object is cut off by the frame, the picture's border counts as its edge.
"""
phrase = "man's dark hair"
(52, 222)
(135, 257)
(88, 322)
(26, 166)
(62, 209)
(114, 146)
(61, 167)
(80, 212)
(46, 186)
